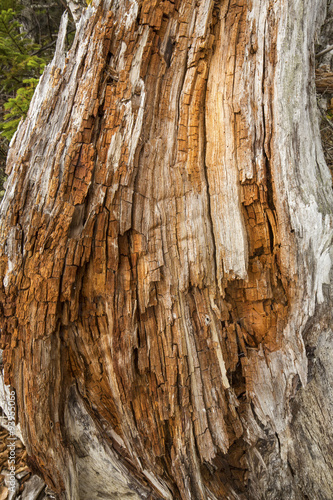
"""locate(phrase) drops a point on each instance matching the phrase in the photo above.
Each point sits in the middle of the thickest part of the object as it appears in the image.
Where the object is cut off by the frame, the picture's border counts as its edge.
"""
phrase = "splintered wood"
(155, 265)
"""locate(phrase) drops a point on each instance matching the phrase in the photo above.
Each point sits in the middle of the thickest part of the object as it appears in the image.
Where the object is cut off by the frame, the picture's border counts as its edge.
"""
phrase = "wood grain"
(165, 255)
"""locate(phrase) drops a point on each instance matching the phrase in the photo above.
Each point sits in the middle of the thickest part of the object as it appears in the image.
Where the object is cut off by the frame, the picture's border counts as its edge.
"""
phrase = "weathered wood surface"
(28, 486)
(324, 81)
(166, 257)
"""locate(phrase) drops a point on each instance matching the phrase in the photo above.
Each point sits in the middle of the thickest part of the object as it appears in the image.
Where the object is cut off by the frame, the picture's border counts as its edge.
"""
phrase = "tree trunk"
(166, 256)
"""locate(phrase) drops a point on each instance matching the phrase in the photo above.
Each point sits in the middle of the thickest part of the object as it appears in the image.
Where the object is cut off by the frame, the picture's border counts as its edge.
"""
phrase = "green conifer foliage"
(28, 31)
(17, 107)
(20, 69)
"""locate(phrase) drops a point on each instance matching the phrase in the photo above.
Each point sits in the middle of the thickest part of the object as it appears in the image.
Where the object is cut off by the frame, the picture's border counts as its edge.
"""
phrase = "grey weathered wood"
(166, 240)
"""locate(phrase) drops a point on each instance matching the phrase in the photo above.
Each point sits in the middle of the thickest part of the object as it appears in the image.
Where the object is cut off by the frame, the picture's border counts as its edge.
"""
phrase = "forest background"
(28, 34)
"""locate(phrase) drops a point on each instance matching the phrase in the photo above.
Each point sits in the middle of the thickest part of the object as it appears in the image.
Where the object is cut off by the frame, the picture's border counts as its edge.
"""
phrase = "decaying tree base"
(166, 257)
